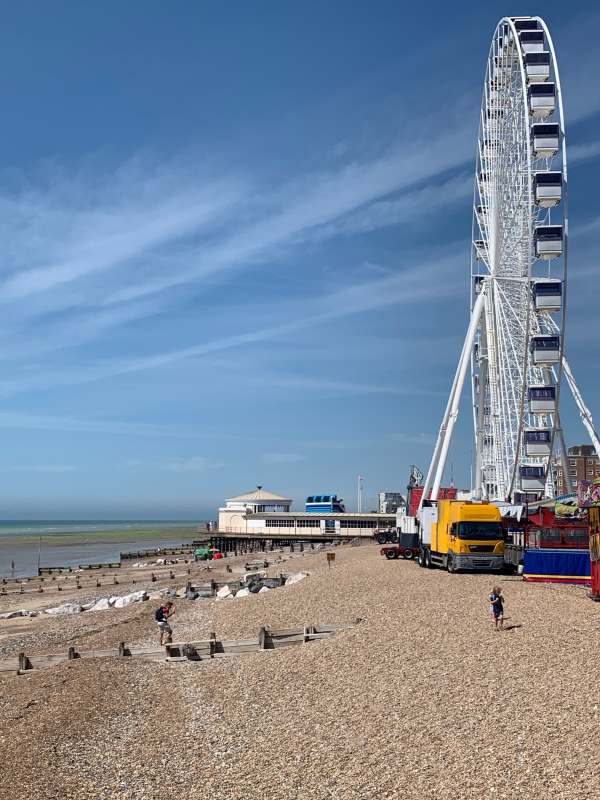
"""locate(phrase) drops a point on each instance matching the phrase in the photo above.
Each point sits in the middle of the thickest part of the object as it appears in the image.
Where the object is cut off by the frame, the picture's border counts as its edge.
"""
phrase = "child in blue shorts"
(497, 607)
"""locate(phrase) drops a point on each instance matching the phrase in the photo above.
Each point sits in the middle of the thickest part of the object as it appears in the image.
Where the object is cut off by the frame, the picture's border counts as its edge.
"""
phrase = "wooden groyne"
(202, 650)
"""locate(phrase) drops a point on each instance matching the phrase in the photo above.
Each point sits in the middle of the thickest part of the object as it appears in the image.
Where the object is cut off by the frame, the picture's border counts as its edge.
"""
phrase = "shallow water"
(70, 543)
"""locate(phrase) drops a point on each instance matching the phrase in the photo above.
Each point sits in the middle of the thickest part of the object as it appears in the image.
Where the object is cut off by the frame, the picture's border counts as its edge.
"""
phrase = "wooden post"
(264, 638)
(73, 653)
(212, 637)
(24, 663)
(123, 650)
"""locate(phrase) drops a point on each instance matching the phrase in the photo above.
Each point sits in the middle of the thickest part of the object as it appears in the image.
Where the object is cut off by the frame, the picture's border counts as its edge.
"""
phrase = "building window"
(572, 462)
(279, 523)
(308, 523)
(358, 523)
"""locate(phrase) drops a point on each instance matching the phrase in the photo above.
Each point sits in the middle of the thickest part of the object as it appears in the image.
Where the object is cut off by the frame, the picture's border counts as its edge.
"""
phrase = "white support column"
(440, 452)
(461, 374)
(438, 443)
(584, 412)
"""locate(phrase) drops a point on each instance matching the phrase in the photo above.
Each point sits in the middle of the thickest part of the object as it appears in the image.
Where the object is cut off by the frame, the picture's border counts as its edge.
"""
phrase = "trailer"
(407, 547)
(405, 525)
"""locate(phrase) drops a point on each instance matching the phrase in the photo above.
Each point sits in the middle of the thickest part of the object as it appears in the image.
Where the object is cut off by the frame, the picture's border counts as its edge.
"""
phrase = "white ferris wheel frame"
(503, 318)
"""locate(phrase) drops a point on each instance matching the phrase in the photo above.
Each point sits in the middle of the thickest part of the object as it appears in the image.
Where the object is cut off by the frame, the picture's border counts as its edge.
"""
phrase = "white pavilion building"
(233, 516)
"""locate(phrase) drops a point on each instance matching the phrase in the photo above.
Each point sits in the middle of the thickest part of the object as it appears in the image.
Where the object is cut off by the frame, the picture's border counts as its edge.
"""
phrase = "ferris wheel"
(514, 348)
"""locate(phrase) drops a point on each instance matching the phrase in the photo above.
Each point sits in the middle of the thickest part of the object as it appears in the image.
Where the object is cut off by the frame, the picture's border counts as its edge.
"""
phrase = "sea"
(26, 543)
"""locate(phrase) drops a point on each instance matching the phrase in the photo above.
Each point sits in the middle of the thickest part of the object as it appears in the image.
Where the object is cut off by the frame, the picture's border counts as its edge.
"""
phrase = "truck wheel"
(450, 564)
(427, 559)
(420, 560)
(407, 554)
(381, 538)
(390, 554)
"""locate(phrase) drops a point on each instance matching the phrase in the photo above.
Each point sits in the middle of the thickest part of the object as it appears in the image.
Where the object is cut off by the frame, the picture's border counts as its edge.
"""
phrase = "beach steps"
(177, 652)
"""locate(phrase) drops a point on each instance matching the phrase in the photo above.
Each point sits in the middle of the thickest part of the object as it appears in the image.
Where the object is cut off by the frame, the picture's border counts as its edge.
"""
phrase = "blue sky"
(235, 244)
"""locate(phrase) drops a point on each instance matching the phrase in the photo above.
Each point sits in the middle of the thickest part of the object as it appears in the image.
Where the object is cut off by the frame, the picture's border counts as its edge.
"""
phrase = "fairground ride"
(514, 347)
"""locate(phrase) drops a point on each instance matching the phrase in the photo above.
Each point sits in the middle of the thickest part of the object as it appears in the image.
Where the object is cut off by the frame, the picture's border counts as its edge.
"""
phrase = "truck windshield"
(479, 530)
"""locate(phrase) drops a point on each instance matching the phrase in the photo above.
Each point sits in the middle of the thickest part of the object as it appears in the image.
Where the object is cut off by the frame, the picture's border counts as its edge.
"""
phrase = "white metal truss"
(509, 213)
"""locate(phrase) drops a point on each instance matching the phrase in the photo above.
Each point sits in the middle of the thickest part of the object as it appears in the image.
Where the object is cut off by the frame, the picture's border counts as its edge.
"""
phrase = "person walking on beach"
(497, 607)
(162, 618)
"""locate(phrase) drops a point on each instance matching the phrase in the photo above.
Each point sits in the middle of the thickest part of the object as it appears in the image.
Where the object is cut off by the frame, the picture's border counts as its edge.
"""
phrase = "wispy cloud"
(283, 458)
(405, 287)
(193, 464)
(43, 422)
(583, 152)
(78, 224)
(316, 200)
(46, 468)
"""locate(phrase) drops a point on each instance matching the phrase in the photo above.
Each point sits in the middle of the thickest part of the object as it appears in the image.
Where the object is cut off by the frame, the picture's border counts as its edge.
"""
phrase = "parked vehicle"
(206, 554)
(407, 547)
(461, 535)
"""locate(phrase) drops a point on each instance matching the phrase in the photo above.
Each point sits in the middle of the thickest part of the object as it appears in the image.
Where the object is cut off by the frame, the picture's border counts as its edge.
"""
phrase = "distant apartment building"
(584, 465)
(390, 502)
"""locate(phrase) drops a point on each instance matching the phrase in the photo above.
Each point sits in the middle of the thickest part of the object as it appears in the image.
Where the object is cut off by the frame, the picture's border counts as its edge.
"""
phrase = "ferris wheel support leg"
(440, 453)
(584, 412)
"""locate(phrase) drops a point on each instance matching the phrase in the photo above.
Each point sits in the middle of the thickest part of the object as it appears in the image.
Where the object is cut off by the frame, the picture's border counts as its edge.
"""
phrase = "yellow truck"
(457, 535)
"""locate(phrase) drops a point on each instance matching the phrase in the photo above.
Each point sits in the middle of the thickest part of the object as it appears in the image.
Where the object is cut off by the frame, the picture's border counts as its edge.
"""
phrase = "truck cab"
(461, 535)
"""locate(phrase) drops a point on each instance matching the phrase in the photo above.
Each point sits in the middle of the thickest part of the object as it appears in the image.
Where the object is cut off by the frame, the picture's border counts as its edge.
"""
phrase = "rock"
(271, 583)
(128, 599)
(224, 592)
(263, 589)
(102, 605)
(250, 576)
(296, 577)
(20, 613)
(242, 593)
(65, 608)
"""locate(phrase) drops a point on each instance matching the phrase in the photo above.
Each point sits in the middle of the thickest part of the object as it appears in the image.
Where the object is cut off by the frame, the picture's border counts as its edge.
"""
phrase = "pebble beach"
(421, 698)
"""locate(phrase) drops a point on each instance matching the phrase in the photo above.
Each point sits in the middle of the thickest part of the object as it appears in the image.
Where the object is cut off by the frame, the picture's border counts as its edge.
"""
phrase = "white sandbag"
(65, 608)
(242, 593)
(263, 589)
(224, 592)
(295, 578)
(128, 599)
